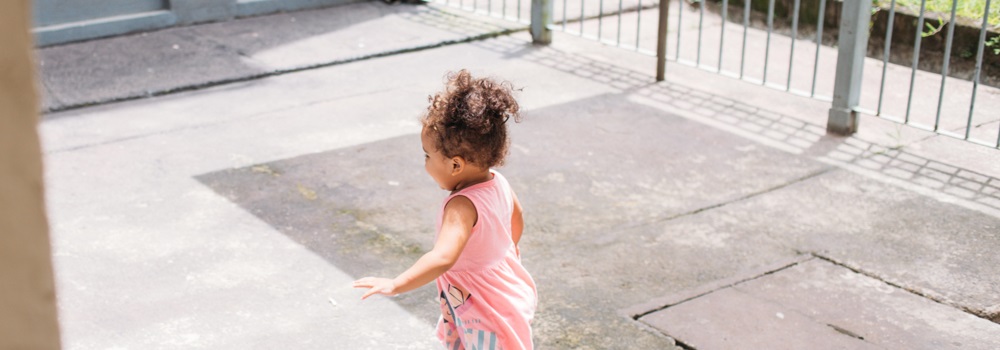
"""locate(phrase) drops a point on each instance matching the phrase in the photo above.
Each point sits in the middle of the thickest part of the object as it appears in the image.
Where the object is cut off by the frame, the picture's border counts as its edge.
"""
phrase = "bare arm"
(516, 223)
(456, 228)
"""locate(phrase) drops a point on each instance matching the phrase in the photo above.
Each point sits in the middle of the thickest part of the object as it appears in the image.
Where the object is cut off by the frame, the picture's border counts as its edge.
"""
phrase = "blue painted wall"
(64, 21)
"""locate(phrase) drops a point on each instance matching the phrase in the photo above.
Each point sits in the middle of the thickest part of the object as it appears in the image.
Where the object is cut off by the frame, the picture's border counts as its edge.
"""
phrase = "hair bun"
(480, 104)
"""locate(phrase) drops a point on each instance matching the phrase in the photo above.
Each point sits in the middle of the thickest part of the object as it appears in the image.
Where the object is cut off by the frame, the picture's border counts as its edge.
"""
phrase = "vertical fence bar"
(566, 20)
(819, 42)
(944, 65)
(489, 7)
(680, 27)
(600, 18)
(885, 54)
(541, 17)
(581, 17)
(503, 9)
(701, 17)
(916, 59)
(979, 67)
(661, 39)
(795, 36)
(746, 23)
(767, 47)
(722, 32)
(638, 25)
(852, 46)
(519, 10)
(619, 40)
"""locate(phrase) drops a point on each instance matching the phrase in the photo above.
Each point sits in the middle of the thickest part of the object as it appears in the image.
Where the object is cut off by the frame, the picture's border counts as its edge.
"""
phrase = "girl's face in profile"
(437, 165)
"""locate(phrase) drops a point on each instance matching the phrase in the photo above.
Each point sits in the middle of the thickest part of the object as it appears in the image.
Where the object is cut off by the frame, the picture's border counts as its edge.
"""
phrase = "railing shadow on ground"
(888, 163)
(823, 81)
(892, 163)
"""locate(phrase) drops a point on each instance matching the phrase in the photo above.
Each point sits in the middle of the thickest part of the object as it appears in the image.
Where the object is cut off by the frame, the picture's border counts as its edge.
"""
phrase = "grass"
(967, 9)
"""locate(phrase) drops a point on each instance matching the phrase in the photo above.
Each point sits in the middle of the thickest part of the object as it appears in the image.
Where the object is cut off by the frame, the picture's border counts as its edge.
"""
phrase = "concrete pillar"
(541, 18)
(851, 49)
(27, 290)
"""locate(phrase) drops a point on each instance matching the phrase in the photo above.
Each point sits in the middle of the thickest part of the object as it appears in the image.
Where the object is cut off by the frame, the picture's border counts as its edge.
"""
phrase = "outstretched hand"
(376, 285)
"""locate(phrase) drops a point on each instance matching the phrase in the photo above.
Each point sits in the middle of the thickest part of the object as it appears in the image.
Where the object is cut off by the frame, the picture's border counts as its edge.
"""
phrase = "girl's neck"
(472, 180)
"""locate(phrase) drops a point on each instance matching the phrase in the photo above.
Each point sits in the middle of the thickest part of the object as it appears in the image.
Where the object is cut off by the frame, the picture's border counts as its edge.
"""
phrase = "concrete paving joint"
(814, 301)
(277, 72)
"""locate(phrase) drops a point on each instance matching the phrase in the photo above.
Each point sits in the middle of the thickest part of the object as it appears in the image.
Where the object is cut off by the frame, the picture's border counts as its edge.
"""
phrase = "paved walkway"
(695, 212)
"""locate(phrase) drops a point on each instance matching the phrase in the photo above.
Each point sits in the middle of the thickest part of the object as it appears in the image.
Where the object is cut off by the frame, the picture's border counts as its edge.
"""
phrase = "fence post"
(541, 18)
(661, 41)
(853, 44)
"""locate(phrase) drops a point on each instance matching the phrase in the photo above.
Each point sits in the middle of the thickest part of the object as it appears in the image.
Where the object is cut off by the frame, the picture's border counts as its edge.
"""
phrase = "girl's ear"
(457, 165)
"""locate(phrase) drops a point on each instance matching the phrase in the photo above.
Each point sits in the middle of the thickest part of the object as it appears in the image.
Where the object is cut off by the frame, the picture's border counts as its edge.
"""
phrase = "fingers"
(376, 290)
(363, 283)
(374, 286)
(369, 293)
(367, 282)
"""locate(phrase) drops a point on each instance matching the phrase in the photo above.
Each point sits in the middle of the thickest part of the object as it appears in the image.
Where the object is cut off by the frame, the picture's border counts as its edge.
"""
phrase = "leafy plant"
(967, 9)
(994, 43)
(931, 30)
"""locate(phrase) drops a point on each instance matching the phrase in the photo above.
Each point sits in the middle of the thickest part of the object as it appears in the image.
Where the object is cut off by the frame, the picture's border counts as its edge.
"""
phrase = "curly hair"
(469, 118)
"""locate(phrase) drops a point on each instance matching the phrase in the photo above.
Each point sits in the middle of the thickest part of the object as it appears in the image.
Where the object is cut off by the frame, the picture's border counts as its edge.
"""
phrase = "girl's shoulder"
(500, 179)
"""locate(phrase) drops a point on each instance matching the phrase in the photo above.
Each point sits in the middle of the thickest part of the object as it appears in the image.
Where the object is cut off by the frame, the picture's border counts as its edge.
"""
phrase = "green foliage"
(931, 30)
(967, 9)
(994, 43)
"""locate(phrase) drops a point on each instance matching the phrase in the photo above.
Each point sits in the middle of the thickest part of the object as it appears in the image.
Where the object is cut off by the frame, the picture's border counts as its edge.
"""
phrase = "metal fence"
(510, 10)
(787, 52)
(939, 108)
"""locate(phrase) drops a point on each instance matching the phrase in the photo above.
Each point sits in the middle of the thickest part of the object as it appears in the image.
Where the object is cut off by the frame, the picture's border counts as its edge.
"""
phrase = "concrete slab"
(159, 62)
(729, 319)
(960, 153)
(933, 248)
(106, 217)
(369, 209)
(309, 38)
(930, 170)
(112, 152)
(134, 66)
(174, 265)
(819, 305)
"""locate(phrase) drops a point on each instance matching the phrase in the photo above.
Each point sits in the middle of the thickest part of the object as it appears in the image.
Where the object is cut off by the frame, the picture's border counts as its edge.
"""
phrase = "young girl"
(487, 297)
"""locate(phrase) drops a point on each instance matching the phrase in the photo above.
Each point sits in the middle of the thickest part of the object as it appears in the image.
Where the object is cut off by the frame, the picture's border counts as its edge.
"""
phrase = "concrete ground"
(701, 212)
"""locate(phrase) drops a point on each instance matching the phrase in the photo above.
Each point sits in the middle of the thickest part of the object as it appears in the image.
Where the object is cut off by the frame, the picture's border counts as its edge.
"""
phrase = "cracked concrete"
(856, 312)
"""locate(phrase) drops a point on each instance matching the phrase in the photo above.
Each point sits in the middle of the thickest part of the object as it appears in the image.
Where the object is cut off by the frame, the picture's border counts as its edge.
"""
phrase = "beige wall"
(27, 293)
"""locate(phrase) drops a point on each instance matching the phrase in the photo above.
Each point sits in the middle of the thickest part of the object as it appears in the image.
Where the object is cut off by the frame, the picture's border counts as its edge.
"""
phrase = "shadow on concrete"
(596, 177)
(584, 171)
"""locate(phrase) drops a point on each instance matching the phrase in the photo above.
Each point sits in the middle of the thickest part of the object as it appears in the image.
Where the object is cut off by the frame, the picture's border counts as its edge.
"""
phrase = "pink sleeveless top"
(487, 298)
